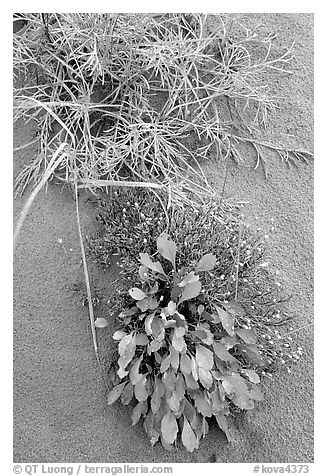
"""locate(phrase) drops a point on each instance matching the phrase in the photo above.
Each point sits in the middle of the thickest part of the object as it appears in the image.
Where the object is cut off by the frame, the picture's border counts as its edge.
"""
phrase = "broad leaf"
(223, 425)
(195, 368)
(203, 406)
(134, 375)
(173, 402)
(115, 393)
(158, 392)
(190, 291)
(118, 335)
(189, 439)
(251, 353)
(226, 319)
(227, 386)
(167, 248)
(126, 346)
(239, 384)
(155, 346)
(221, 352)
(217, 404)
(150, 429)
(188, 278)
(144, 273)
(152, 303)
(143, 305)
(127, 394)
(196, 424)
(206, 263)
(137, 294)
(190, 382)
(158, 328)
(176, 293)
(126, 349)
(178, 340)
(180, 386)
(174, 354)
(165, 364)
(140, 408)
(141, 339)
(128, 312)
(234, 308)
(158, 357)
(205, 377)
(166, 446)
(229, 341)
(204, 334)
(169, 380)
(247, 335)
(140, 391)
(189, 410)
(185, 364)
(252, 375)
(169, 428)
(200, 333)
(101, 322)
(204, 357)
(154, 266)
(122, 362)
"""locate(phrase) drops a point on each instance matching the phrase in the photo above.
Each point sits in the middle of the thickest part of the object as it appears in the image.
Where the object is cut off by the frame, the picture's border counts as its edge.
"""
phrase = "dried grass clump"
(143, 98)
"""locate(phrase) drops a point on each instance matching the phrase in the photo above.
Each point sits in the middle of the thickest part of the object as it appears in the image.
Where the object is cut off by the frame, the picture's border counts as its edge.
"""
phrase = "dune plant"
(203, 289)
(183, 357)
(129, 224)
(141, 97)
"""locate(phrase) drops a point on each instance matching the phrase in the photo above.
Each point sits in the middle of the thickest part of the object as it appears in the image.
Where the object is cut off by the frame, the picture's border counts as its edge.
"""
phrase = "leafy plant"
(129, 225)
(182, 356)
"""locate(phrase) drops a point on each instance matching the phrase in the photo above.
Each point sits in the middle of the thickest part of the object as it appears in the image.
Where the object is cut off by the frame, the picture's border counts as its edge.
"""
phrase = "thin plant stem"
(53, 164)
(86, 276)
(238, 259)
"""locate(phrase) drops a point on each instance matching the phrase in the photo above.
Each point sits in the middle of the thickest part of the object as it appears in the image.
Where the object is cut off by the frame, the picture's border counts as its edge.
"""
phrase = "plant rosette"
(182, 356)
